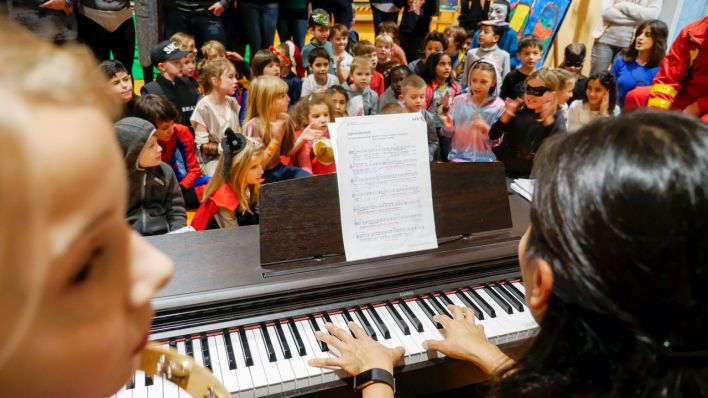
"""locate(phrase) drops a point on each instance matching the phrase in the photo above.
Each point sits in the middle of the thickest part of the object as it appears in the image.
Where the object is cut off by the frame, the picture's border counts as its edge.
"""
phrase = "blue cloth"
(259, 21)
(282, 172)
(630, 76)
(508, 42)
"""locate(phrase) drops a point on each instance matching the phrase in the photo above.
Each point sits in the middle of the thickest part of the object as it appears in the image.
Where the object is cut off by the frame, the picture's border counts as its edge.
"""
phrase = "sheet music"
(385, 195)
(523, 187)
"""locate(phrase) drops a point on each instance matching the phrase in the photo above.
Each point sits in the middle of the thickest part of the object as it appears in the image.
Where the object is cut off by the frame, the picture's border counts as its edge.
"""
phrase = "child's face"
(529, 56)
(413, 99)
(481, 82)
(432, 46)
(151, 155)
(320, 68)
(535, 102)
(361, 78)
(280, 105)
(255, 171)
(320, 33)
(339, 42)
(226, 84)
(374, 59)
(164, 130)
(318, 116)
(595, 92)
(467, 45)
(272, 69)
(396, 80)
(451, 44)
(383, 52)
(93, 313)
(340, 104)
(444, 67)
(285, 68)
(567, 92)
(487, 37)
(171, 69)
(574, 67)
(188, 65)
(122, 87)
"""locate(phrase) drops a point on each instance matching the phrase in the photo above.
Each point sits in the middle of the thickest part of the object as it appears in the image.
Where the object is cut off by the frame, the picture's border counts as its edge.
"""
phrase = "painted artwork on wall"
(540, 17)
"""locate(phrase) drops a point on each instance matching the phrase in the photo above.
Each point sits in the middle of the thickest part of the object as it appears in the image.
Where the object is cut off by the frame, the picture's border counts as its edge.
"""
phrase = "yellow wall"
(577, 26)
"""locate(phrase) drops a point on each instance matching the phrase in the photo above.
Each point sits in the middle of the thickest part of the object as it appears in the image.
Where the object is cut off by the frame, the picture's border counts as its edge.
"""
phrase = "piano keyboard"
(271, 357)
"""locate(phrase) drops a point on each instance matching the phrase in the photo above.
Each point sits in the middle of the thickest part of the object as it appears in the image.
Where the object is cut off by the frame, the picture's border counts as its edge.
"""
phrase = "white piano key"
(430, 330)
(287, 376)
(491, 329)
(315, 374)
(156, 389)
(509, 329)
(270, 369)
(415, 336)
(327, 374)
(214, 359)
(140, 390)
(197, 351)
(243, 374)
(258, 370)
(228, 376)
(413, 350)
(302, 376)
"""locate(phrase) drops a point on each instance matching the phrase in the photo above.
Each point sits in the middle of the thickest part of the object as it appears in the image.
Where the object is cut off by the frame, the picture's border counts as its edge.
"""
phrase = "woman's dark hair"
(658, 31)
(155, 109)
(608, 81)
(620, 213)
(430, 64)
(394, 69)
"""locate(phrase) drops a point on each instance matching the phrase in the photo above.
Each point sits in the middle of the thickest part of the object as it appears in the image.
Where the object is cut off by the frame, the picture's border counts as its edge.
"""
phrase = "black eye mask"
(536, 91)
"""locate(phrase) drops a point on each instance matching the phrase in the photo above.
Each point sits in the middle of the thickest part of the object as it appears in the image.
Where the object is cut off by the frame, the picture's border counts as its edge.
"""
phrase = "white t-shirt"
(579, 114)
(309, 85)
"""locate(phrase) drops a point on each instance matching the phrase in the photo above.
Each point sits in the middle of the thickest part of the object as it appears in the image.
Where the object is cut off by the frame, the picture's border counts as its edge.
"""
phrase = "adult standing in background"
(292, 21)
(147, 30)
(383, 10)
(259, 18)
(472, 12)
(415, 24)
(107, 26)
(199, 18)
(616, 29)
(52, 20)
(341, 10)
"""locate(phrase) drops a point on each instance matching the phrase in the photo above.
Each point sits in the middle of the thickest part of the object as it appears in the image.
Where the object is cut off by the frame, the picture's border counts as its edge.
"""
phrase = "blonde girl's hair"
(29, 67)
(263, 91)
(386, 39)
(549, 78)
(184, 41)
(564, 77)
(301, 110)
(212, 68)
(213, 46)
(247, 194)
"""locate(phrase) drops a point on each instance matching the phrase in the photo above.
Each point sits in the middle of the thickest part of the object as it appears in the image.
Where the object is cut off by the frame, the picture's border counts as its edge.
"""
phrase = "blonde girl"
(314, 112)
(526, 123)
(267, 122)
(215, 112)
(231, 198)
(72, 274)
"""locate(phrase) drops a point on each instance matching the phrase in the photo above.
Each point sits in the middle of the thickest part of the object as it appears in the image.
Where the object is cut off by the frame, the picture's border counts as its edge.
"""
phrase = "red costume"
(183, 141)
(683, 75)
(224, 197)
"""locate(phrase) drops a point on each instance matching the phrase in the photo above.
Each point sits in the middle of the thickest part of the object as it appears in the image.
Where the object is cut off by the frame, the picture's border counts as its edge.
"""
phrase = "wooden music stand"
(299, 219)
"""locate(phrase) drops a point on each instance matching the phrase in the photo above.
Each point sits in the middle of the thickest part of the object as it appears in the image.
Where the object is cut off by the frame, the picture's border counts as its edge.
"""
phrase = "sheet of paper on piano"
(385, 195)
(523, 187)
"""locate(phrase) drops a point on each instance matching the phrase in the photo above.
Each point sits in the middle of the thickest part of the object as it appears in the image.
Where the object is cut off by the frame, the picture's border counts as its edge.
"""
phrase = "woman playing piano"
(75, 282)
(615, 269)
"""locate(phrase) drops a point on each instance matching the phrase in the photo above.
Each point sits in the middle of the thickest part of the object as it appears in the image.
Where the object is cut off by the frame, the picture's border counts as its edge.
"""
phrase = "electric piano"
(252, 322)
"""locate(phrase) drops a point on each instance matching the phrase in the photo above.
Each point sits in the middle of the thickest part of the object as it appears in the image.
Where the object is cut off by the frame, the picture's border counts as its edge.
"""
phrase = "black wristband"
(374, 375)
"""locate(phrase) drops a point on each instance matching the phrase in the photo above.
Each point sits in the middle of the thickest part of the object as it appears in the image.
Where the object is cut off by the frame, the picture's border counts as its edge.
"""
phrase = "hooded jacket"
(369, 100)
(155, 203)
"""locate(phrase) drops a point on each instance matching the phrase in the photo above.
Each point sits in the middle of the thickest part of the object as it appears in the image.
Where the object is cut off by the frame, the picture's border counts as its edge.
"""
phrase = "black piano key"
(172, 343)
(428, 311)
(131, 383)
(508, 297)
(515, 291)
(316, 328)
(247, 356)
(378, 321)
(148, 380)
(398, 318)
(229, 349)
(282, 340)
(417, 324)
(327, 318)
(446, 300)
(482, 303)
(468, 302)
(506, 307)
(348, 318)
(365, 324)
(206, 356)
(439, 307)
(188, 347)
(296, 336)
(270, 351)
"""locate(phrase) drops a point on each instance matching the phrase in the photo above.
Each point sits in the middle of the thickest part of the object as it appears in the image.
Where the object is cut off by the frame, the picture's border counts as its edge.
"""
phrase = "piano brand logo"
(406, 294)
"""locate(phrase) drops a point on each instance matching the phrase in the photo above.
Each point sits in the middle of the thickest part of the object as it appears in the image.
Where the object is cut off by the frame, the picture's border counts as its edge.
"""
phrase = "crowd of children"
(482, 93)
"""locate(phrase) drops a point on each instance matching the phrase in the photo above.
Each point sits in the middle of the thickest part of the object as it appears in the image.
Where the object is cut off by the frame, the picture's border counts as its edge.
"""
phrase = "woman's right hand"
(464, 339)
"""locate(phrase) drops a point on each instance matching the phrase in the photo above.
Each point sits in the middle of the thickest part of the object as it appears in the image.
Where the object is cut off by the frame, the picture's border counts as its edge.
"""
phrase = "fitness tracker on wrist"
(371, 376)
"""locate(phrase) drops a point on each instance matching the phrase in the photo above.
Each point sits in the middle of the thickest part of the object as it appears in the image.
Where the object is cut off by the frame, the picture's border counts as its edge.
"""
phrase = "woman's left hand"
(358, 353)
